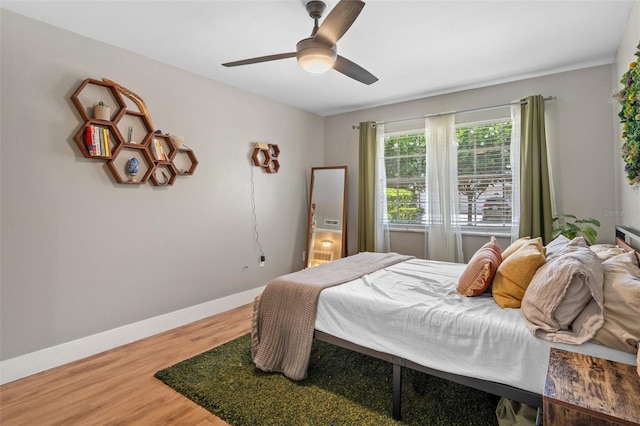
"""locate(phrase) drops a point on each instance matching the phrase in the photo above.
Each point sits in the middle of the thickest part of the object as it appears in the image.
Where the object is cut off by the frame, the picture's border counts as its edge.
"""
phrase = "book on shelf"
(92, 140)
(105, 142)
(154, 149)
(158, 150)
(88, 140)
(96, 140)
(162, 153)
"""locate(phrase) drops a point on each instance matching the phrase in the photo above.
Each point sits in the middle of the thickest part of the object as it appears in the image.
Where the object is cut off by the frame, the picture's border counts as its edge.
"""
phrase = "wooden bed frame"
(625, 238)
(628, 239)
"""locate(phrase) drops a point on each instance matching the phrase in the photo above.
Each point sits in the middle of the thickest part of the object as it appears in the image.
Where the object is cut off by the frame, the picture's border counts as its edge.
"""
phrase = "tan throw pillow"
(621, 329)
(514, 246)
(561, 244)
(557, 242)
(479, 273)
(576, 298)
(515, 272)
(561, 289)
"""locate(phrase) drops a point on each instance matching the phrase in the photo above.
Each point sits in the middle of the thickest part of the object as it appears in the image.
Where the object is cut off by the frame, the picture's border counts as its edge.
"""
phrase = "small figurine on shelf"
(102, 111)
(133, 166)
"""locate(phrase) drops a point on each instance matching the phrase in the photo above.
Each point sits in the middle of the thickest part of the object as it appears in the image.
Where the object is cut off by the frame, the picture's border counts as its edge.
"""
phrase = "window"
(405, 162)
(484, 175)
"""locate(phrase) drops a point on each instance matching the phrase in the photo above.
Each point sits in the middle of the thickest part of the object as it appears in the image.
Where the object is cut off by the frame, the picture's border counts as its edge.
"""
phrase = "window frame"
(477, 228)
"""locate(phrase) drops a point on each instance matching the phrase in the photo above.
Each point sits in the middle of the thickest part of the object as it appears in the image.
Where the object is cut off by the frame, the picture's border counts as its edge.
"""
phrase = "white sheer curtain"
(382, 243)
(550, 145)
(515, 171)
(443, 234)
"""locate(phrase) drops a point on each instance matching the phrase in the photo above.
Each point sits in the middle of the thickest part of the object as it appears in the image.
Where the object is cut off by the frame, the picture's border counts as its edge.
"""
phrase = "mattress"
(412, 310)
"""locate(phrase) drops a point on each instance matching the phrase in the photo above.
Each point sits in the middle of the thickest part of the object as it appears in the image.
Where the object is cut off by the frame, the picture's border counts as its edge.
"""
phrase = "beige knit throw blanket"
(284, 314)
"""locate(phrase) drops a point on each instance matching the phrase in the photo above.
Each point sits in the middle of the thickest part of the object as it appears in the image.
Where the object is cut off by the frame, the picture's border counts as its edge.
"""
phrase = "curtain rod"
(523, 102)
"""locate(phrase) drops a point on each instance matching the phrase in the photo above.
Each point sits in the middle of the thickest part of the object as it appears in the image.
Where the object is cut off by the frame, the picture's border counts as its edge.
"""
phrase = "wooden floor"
(117, 386)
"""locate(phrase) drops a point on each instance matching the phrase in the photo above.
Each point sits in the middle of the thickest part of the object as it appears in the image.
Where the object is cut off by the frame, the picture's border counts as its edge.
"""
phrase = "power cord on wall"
(254, 218)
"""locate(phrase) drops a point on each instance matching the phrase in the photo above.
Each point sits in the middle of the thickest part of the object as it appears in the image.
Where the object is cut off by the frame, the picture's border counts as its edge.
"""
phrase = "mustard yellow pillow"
(514, 246)
(515, 273)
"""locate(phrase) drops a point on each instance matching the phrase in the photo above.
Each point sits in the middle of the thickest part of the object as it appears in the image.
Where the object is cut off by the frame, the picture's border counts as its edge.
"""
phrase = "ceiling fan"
(318, 53)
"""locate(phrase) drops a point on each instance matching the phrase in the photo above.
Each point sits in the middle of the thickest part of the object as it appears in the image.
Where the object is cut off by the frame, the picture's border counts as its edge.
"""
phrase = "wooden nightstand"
(584, 390)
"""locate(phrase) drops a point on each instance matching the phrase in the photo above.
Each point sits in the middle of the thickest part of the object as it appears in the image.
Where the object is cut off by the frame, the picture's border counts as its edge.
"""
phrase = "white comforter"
(412, 310)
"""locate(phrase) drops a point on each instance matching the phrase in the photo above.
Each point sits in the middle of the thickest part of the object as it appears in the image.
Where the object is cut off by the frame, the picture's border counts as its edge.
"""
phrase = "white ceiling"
(415, 48)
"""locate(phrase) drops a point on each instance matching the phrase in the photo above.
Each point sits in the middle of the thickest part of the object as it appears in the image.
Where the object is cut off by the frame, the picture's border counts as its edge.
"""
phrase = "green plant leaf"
(589, 220)
(589, 234)
(573, 228)
(577, 227)
(565, 215)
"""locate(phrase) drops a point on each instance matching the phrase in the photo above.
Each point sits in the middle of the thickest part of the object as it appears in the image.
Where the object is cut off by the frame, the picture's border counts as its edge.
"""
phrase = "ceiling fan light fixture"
(318, 53)
(316, 63)
(315, 57)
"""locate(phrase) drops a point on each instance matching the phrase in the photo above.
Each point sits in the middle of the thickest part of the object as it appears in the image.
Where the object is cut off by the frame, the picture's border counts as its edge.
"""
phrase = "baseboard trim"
(54, 356)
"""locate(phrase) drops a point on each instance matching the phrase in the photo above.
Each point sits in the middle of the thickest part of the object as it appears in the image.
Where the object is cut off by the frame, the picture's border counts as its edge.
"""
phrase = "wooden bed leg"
(397, 391)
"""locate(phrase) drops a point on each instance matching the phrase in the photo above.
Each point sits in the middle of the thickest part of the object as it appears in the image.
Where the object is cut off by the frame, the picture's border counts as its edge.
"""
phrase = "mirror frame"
(310, 214)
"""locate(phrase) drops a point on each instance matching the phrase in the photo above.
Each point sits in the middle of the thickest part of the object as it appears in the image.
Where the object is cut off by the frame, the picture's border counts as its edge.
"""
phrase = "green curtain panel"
(535, 189)
(366, 187)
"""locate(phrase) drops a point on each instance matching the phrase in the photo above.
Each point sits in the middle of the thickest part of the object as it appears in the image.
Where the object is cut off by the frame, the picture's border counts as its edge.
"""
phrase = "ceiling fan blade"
(353, 70)
(338, 21)
(260, 59)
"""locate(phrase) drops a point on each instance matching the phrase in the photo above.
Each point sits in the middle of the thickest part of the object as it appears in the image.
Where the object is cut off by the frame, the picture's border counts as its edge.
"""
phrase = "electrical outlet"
(262, 259)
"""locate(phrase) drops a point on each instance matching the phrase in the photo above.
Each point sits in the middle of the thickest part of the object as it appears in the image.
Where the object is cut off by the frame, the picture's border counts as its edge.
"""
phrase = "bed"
(408, 312)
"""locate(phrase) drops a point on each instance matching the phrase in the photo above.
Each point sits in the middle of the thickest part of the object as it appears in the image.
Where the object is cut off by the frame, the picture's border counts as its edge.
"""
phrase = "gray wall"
(579, 131)
(80, 254)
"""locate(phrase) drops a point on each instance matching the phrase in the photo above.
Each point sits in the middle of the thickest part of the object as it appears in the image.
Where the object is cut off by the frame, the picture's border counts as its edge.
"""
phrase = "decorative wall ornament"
(133, 166)
(102, 112)
(133, 96)
(630, 118)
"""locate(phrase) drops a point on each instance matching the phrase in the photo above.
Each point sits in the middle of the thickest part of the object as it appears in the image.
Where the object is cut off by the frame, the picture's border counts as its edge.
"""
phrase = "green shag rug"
(342, 388)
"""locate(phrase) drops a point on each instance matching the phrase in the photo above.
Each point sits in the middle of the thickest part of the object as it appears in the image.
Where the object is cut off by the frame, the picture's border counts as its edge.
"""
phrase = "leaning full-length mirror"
(326, 227)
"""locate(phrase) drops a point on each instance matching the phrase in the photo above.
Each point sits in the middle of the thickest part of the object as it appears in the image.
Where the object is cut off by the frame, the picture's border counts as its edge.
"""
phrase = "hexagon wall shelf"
(185, 161)
(266, 156)
(129, 134)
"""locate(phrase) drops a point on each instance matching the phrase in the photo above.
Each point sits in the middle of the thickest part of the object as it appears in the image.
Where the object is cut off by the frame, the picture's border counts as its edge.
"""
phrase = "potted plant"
(102, 111)
(570, 226)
